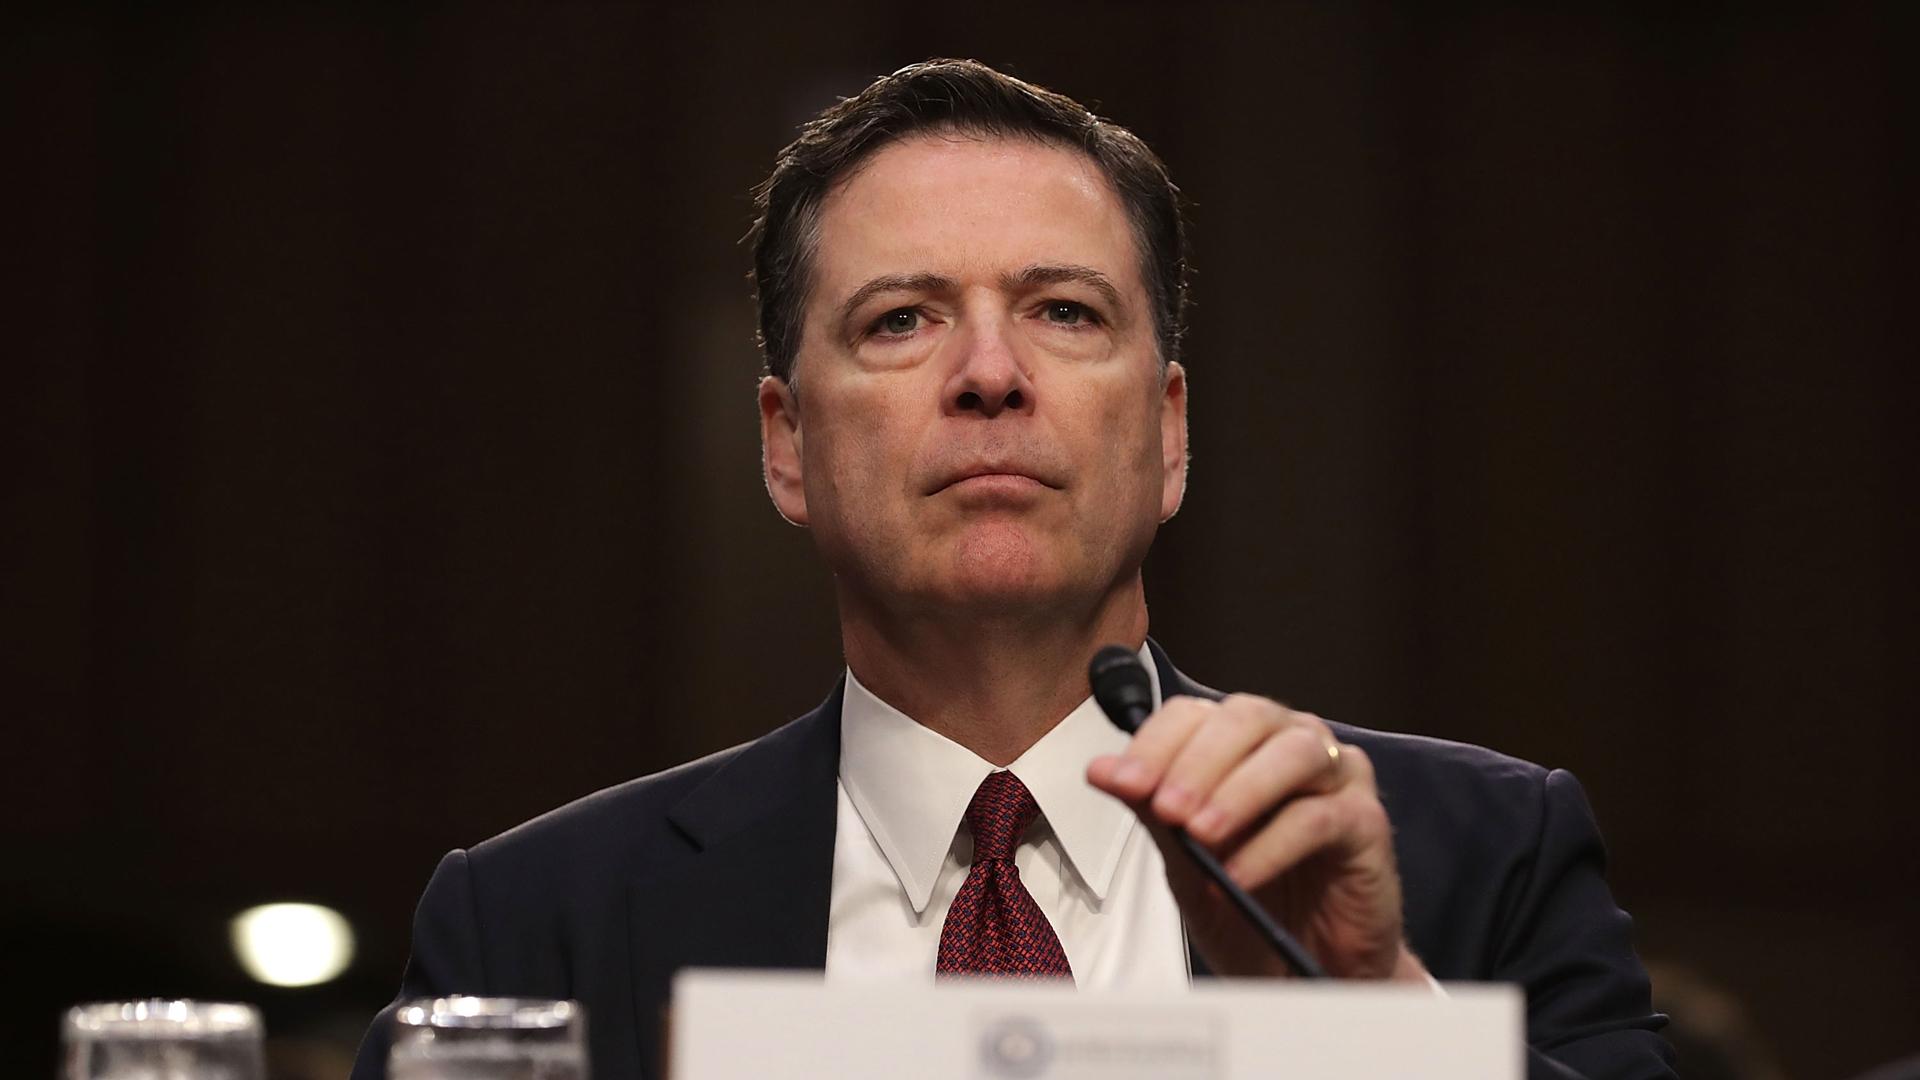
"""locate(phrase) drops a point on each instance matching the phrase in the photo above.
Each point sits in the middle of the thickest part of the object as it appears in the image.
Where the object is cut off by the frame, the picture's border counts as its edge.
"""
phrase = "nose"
(990, 379)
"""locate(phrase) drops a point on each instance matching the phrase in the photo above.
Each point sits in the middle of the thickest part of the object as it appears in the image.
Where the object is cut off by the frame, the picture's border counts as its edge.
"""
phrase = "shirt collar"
(911, 786)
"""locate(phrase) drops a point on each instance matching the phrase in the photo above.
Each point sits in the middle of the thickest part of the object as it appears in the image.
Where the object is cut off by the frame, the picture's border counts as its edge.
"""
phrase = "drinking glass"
(472, 1038)
(163, 1040)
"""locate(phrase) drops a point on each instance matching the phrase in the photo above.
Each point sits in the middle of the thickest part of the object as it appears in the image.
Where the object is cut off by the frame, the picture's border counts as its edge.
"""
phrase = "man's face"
(981, 420)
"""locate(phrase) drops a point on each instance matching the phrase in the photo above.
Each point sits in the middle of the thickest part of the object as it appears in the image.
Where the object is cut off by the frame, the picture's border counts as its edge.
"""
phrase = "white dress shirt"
(901, 851)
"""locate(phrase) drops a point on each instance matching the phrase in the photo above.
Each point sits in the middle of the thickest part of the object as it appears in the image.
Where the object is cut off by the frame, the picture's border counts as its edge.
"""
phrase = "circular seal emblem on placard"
(1017, 1048)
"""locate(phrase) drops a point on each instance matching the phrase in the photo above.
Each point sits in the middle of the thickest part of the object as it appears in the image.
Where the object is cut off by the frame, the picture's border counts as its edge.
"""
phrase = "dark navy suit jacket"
(728, 862)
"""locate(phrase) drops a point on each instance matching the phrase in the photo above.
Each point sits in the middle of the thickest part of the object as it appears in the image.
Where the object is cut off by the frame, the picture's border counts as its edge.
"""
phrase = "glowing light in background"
(292, 944)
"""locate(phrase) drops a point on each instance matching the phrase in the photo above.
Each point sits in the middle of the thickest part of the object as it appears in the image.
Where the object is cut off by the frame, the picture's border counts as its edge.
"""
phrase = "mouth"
(987, 480)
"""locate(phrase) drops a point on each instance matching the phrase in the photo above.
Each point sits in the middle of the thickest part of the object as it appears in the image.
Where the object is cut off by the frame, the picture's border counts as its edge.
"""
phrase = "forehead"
(960, 204)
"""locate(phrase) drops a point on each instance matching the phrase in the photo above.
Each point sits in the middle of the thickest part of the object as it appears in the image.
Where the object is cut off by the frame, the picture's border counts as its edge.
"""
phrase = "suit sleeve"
(445, 957)
(1589, 1009)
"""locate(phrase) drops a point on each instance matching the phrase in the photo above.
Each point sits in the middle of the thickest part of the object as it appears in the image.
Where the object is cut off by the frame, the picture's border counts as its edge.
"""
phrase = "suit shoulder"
(1441, 758)
(631, 818)
(1429, 776)
(1420, 777)
(621, 808)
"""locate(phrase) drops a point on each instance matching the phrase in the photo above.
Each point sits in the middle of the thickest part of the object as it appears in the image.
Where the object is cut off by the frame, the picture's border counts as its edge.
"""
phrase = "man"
(971, 301)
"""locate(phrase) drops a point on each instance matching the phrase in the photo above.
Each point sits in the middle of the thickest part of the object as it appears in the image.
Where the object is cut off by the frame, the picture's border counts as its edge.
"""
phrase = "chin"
(1001, 569)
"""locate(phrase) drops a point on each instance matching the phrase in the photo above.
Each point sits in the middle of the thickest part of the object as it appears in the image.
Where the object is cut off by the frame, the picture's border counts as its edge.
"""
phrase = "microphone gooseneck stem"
(1124, 692)
(1281, 942)
(1269, 928)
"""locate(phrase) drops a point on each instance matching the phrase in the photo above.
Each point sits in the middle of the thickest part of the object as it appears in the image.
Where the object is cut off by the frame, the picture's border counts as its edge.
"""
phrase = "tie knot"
(999, 814)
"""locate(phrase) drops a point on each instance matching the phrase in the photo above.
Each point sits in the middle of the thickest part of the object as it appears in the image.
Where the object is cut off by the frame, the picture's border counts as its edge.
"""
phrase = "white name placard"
(793, 1026)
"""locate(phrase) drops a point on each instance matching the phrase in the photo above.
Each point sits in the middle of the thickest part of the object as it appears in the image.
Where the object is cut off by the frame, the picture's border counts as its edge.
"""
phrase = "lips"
(992, 476)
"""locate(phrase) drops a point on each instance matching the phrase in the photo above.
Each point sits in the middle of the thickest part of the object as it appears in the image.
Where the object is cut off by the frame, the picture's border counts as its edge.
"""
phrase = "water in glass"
(466, 1038)
(163, 1040)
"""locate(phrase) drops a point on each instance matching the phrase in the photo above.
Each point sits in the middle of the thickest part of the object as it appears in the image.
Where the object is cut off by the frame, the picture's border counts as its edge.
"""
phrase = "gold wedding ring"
(1333, 754)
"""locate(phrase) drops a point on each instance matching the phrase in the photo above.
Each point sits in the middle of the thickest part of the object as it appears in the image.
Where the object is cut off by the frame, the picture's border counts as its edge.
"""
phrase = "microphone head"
(1121, 686)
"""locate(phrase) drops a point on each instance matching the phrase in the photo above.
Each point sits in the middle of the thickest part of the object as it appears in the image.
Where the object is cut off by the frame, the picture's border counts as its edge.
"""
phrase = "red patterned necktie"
(994, 927)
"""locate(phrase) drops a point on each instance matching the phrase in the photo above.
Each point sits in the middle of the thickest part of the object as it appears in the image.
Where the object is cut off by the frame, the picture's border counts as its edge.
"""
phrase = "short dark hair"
(969, 97)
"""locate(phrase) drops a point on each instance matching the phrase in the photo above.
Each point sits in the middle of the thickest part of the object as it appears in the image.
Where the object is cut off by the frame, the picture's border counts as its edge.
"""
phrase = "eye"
(899, 321)
(1068, 313)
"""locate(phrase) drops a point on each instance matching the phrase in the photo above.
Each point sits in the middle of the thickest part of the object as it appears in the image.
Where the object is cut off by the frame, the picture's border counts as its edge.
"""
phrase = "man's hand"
(1292, 813)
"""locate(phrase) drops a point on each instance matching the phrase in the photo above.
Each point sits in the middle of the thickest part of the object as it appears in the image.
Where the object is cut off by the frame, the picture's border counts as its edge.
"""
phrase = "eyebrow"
(1034, 277)
(886, 283)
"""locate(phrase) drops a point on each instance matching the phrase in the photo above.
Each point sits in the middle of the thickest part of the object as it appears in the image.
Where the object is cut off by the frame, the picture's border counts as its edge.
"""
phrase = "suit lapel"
(1175, 684)
(755, 890)
(1172, 682)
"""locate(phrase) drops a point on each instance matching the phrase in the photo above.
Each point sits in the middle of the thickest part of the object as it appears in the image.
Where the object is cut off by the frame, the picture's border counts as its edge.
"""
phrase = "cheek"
(1126, 447)
(1135, 470)
(855, 462)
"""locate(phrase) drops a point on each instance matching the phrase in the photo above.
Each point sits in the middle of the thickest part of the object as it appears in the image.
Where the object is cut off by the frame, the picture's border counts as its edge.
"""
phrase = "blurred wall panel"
(1285, 572)
(49, 300)
(1795, 446)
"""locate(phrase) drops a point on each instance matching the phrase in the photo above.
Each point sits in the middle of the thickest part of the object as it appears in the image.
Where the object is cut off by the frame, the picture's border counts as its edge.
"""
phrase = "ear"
(1173, 440)
(780, 455)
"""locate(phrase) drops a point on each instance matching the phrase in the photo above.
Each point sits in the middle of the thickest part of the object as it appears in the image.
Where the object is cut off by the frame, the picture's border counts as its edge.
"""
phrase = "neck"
(994, 683)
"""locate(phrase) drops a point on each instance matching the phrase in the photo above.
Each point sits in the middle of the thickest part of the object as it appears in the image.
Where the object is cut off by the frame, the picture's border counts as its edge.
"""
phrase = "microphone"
(1121, 686)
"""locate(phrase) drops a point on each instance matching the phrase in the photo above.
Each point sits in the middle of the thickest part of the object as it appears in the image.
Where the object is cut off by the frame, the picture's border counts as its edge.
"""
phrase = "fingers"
(1219, 767)
(1237, 729)
(1292, 761)
(1133, 776)
(1349, 821)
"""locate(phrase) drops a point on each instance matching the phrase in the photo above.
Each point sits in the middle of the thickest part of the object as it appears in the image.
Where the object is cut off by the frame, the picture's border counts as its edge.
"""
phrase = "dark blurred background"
(380, 464)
